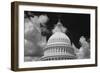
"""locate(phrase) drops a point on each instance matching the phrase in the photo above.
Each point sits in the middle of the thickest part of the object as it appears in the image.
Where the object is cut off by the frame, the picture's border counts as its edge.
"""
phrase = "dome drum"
(59, 50)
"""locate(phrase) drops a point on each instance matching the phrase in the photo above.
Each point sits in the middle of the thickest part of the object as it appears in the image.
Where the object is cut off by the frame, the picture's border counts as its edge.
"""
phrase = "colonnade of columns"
(58, 53)
(55, 51)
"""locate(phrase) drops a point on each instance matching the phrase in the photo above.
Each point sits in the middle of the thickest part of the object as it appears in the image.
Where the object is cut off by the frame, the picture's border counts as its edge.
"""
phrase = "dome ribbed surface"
(59, 38)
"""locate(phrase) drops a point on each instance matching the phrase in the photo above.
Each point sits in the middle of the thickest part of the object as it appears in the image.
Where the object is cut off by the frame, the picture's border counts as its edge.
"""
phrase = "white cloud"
(43, 19)
(33, 38)
(84, 51)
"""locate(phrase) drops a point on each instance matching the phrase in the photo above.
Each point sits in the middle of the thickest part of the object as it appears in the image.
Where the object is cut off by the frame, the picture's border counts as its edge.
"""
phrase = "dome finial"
(59, 22)
(59, 27)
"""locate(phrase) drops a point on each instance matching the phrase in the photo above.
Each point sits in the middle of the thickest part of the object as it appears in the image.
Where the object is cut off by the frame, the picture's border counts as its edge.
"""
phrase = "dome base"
(57, 57)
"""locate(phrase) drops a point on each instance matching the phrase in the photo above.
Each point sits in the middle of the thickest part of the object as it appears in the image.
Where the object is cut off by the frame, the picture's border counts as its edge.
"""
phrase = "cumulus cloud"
(43, 19)
(84, 51)
(76, 50)
(30, 48)
(83, 42)
(33, 40)
(33, 29)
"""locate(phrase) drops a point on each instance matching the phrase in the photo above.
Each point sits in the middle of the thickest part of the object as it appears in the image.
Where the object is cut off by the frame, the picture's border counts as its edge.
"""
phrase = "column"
(60, 51)
(54, 51)
(50, 51)
(64, 50)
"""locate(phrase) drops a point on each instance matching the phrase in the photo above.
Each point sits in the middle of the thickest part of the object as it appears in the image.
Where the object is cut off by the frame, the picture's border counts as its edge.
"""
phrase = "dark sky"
(77, 24)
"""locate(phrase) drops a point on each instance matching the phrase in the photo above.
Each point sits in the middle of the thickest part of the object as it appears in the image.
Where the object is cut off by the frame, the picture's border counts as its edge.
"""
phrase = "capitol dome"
(58, 46)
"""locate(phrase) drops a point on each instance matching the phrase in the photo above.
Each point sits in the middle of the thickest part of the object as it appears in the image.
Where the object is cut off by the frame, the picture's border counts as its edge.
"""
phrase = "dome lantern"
(59, 27)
